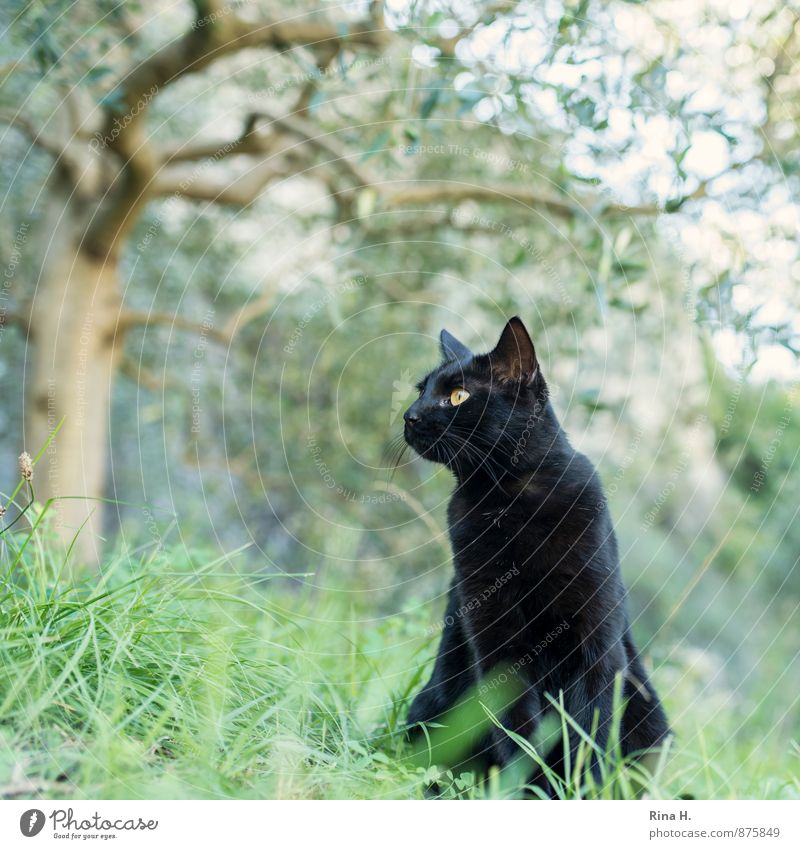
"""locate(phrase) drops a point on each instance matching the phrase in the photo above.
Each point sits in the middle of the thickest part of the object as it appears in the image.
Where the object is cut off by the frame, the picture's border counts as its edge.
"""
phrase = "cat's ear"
(514, 357)
(452, 349)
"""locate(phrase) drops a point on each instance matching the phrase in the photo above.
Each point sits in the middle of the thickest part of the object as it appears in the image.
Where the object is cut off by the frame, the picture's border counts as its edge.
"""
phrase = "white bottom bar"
(402, 825)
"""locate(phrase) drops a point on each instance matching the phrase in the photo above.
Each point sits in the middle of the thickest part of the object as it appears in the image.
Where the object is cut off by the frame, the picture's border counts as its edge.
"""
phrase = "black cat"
(537, 587)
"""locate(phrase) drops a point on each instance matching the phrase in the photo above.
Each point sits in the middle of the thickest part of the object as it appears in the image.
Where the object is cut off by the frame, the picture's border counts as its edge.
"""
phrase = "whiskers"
(469, 456)
(466, 451)
(494, 447)
(393, 455)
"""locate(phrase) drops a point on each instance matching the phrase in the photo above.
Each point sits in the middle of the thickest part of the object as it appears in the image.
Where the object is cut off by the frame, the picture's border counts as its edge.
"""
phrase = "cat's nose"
(411, 417)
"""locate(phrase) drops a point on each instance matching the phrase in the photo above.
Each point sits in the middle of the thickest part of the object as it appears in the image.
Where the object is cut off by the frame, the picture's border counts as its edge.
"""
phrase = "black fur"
(537, 584)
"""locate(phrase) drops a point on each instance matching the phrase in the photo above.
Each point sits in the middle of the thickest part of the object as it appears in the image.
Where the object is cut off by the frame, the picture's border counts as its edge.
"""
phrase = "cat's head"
(479, 410)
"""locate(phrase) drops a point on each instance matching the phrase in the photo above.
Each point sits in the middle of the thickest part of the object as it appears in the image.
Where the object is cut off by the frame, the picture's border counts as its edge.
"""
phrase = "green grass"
(175, 675)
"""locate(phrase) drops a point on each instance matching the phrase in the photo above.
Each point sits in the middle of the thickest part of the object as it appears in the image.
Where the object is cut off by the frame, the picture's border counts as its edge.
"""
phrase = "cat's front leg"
(511, 688)
(589, 702)
(453, 673)
(521, 718)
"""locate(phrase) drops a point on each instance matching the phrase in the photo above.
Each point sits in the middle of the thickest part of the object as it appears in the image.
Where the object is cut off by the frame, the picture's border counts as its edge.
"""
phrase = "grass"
(176, 675)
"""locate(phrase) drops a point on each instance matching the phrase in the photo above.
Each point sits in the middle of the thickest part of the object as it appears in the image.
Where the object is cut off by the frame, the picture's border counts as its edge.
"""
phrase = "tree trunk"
(73, 319)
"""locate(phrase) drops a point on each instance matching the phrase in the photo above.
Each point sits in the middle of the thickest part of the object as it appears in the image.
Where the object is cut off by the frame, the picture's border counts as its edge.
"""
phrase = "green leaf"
(430, 102)
(366, 202)
(97, 73)
(379, 143)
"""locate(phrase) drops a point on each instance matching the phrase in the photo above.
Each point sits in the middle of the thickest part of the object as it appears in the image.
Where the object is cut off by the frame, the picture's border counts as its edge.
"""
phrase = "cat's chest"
(491, 534)
(509, 577)
(502, 592)
(495, 549)
(509, 549)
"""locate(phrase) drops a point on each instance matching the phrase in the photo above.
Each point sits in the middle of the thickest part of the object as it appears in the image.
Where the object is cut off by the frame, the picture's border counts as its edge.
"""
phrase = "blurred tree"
(366, 119)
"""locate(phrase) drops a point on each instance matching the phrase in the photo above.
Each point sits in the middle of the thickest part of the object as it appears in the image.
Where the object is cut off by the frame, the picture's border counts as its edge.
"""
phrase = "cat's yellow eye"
(458, 396)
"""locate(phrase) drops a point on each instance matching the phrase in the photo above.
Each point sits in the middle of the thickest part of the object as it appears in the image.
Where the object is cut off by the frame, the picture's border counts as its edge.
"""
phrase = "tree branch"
(423, 193)
(324, 57)
(16, 317)
(234, 324)
(428, 192)
(32, 133)
(250, 141)
(238, 191)
(145, 377)
(129, 319)
(218, 32)
(244, 189)
(323, 143)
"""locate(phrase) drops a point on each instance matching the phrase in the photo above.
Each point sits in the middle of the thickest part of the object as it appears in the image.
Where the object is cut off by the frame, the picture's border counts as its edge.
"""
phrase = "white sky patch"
(773, 311)
(485, 109)
(424, 56)
(775, 363)
(563, 74)
(524, 50)
(729, 348)
(708, 155)
(448, 28)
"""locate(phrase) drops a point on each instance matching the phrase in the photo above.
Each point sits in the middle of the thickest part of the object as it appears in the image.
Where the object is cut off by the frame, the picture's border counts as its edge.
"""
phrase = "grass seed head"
(26, 466)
